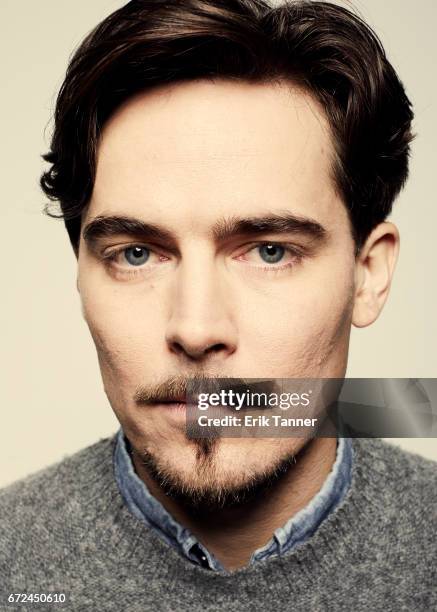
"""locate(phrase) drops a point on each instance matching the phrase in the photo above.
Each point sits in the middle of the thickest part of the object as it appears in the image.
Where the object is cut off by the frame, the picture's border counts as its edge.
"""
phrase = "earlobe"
(374, 272)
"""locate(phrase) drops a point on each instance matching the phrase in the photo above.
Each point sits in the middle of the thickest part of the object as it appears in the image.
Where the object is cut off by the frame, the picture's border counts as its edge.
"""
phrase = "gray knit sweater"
(66, 530)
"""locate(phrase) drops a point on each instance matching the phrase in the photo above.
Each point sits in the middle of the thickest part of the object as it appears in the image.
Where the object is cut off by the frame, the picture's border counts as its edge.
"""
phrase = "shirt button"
(196, 550)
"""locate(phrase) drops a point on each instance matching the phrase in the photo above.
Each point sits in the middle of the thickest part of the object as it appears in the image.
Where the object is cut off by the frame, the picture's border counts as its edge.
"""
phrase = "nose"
(201, 323)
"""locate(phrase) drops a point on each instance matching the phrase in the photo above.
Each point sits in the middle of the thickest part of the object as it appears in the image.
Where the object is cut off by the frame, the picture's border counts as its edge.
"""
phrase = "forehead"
(204, 148)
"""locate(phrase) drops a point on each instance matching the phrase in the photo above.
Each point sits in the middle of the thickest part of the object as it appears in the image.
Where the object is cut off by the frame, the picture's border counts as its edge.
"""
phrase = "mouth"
(173, 407)
(170, 401)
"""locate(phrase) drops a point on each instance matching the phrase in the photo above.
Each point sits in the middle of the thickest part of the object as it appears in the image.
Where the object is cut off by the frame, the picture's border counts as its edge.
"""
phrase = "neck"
(233, 534)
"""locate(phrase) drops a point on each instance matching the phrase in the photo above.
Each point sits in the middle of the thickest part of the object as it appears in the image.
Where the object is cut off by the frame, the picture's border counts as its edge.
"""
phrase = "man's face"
(215, 291)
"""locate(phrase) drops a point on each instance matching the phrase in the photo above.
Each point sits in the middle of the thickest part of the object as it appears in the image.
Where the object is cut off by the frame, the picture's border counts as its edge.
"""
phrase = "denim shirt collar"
(296, 530)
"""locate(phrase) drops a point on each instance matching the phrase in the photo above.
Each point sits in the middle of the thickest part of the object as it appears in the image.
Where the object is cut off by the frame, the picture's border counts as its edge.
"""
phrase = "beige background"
(52, 397)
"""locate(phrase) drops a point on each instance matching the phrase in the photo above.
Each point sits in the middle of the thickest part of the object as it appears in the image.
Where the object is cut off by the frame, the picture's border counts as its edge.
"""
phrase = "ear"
(374, 269)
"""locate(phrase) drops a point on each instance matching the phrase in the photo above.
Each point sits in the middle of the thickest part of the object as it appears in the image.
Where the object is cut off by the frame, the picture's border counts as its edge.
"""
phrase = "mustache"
(183, 388)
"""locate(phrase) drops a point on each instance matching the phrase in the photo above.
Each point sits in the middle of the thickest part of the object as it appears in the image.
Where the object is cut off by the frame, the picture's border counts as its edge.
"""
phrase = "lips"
(171, 408)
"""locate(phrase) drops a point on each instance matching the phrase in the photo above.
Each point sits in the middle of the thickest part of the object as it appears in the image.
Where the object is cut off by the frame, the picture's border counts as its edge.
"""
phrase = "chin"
(210, 473)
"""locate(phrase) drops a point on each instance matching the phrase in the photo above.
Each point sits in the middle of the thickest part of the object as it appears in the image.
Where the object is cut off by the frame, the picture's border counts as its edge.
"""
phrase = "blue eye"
(271, 253)
(136, 256)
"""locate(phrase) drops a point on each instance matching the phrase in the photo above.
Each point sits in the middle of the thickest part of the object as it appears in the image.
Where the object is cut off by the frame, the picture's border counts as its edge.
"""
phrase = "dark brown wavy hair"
(325, 48)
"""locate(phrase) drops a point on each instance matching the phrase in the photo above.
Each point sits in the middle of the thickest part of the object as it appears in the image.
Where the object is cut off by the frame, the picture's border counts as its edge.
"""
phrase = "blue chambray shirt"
(296, 530)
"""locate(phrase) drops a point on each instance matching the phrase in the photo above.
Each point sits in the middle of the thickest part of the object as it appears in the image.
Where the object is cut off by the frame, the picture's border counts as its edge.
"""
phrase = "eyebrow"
(278, 223)
(105, 226)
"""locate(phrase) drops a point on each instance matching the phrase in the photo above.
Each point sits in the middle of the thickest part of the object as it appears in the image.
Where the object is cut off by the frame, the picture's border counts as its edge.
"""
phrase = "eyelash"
(110, 258)
(110, 261)
(272, 269)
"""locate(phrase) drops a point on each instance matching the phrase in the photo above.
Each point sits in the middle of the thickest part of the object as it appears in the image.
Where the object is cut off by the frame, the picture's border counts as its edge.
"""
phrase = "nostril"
(195, 352)
(216, 348)
(177, 348)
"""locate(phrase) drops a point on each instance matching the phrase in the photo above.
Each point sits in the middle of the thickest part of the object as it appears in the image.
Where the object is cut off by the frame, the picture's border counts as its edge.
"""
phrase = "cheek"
(124, 335)
(301, 325)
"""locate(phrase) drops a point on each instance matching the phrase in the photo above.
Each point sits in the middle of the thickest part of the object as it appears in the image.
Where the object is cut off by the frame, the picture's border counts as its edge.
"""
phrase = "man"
(225, 169)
